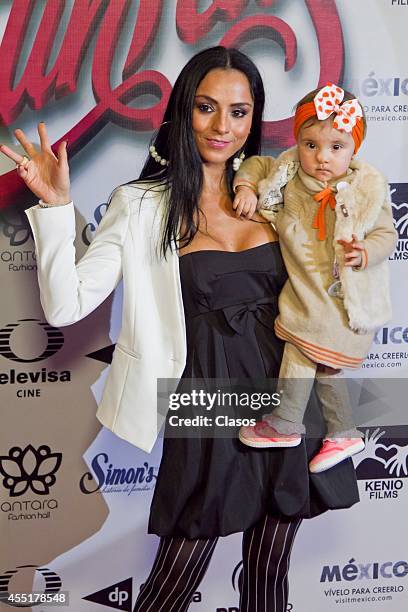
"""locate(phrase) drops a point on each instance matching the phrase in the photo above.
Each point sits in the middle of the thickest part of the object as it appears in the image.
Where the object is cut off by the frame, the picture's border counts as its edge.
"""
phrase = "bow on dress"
(238, 314)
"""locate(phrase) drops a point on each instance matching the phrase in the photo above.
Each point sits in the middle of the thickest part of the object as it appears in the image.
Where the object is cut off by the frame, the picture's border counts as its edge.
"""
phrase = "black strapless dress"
(212, 486)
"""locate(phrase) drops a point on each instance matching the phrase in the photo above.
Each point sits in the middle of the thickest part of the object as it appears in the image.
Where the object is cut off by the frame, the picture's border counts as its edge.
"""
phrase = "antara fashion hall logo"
(383, 464)
(15, 229)
(29, 470)
(29, 341)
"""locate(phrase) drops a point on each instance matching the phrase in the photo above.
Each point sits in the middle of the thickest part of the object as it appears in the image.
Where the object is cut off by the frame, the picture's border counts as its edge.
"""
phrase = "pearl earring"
(237, 161)
(156, 156)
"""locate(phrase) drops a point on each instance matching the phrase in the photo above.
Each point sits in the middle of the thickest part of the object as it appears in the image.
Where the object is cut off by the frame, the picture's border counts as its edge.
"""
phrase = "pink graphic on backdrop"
(105, 21)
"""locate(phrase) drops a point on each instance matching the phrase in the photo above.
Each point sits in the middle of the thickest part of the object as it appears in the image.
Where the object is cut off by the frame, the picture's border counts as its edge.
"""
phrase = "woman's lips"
(217, 144)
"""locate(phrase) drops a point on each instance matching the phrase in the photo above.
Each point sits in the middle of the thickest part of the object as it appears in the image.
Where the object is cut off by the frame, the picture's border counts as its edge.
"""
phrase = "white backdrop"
(89, 531)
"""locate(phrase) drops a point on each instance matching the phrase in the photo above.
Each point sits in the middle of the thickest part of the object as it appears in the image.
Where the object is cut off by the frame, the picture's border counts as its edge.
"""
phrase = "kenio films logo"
(15, 228)
(399, 197)
(103, 23)
(383, 464)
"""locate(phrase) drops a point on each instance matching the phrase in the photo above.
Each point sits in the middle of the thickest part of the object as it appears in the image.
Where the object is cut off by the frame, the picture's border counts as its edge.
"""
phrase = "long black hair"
(175, 141)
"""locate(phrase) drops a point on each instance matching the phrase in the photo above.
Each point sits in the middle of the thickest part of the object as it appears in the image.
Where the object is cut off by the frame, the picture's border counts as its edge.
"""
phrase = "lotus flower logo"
(29, 468)
(15, 228)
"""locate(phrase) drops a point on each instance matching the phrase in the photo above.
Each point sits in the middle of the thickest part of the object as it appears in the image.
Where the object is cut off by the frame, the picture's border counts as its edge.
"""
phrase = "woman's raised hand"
(44, 173)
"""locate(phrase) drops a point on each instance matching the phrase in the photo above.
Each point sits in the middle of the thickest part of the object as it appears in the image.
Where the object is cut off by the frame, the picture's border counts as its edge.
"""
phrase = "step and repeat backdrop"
(74, 498)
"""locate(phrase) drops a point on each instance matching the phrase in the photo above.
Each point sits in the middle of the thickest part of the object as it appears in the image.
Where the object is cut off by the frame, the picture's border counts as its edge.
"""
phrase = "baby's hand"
(245, 202)
(353, 252)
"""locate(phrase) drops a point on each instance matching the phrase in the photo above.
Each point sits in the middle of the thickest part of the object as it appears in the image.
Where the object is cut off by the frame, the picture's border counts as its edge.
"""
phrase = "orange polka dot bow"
(328, 101)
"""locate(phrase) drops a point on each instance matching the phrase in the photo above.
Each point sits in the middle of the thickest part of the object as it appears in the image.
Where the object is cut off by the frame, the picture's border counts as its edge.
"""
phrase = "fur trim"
(366, 292)
(271, 188)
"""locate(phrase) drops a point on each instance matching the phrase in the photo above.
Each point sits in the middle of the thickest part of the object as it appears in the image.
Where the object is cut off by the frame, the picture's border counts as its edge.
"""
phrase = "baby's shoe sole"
(259, 441)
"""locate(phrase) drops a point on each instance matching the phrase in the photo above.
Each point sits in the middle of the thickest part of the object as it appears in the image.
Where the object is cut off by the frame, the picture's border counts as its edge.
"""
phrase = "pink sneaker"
(333, 451)
(263, 435)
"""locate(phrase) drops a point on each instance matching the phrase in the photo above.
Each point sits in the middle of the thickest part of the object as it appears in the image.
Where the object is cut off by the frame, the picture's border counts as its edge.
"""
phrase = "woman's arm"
(70, 292)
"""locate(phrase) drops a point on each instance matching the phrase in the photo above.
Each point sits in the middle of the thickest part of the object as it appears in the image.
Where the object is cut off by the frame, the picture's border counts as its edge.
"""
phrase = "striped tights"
(180, 566)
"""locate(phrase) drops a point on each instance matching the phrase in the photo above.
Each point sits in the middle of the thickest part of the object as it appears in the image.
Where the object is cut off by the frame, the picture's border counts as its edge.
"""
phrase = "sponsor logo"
(19, 261)
(397, 337)
(383, 464)
(54, 340)
(399, 197)
(91, 227)
(373, 86)
(33, 470)
(113, 479)
(365, 576)
(52, 582)
(119, 596)
(15, 228)
(16, 339)
(236, 579)
(104, 355)
(392, 335)
(364, 571)
(193, 27)
(384, 98)
(29, 468)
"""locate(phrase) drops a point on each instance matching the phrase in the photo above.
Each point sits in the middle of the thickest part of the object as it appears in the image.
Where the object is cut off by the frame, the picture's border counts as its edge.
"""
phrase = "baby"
(333, 216)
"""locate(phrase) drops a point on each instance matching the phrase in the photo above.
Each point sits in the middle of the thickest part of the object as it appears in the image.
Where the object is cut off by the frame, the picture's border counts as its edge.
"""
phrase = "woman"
(176, 227)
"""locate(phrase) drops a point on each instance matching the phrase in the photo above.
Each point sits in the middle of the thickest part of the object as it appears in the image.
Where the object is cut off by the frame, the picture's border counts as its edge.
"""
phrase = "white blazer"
(152, 340)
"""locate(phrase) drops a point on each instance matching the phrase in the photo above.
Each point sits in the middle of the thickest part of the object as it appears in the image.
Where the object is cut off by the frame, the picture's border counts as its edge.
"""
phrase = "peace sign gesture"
(44, 173)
